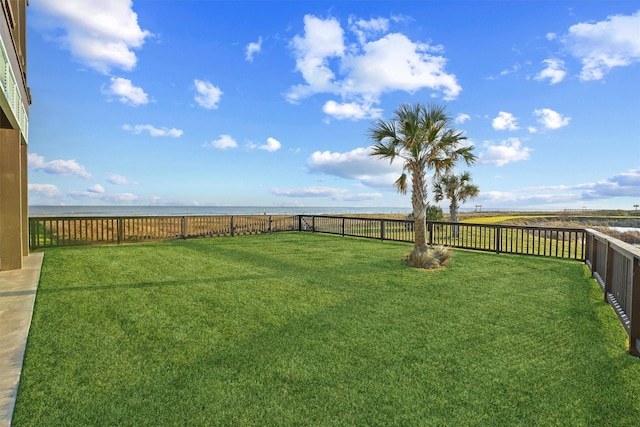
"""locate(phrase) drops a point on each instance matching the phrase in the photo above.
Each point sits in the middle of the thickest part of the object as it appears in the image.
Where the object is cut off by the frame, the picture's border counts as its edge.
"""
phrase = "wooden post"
(183, 227)
(382, 229)
(24, 191)
(342, 226)
(233, 231)
(11, 199)
(120, 230)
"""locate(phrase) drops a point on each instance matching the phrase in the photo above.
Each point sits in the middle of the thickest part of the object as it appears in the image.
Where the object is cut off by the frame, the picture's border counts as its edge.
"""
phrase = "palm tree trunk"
(453, 211)
(418, 201)
(420, 226)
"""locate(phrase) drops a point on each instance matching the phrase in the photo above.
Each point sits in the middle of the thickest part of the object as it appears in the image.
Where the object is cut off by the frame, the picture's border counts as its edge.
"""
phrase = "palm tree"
(422, 137)
(456, 188)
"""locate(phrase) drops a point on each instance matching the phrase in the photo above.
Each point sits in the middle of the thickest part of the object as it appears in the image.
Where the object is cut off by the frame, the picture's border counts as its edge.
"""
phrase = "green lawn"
(297, 329)
(504, 219)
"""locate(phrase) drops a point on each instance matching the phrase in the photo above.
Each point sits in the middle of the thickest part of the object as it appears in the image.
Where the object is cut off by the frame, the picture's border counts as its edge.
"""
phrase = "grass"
(502, 219)
(300, 329)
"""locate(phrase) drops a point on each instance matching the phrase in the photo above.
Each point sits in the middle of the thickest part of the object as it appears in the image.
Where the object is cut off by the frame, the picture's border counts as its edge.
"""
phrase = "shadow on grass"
(155, 284)
(323, 330)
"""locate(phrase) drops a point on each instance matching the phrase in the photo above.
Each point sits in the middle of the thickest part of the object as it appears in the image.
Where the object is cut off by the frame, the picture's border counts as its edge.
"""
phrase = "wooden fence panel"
(65, 231)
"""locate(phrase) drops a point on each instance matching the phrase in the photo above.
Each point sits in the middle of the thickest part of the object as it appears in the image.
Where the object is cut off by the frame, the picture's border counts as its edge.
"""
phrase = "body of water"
(202, 210)
(625, 229)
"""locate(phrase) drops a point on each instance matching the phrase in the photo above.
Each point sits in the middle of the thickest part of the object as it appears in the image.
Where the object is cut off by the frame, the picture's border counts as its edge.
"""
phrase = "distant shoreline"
(110, 210)
(205, 210)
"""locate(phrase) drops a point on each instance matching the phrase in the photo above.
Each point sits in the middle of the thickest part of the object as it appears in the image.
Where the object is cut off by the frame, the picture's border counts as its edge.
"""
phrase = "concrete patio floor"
(17, 296)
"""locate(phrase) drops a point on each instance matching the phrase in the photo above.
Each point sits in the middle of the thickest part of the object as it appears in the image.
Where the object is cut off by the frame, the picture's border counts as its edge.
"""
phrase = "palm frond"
(401, 184)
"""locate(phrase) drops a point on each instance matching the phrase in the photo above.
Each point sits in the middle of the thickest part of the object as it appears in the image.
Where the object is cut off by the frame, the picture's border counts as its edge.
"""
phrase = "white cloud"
(364, 29)
(310, 192)
(461, 118)
(122, 197)
(57, 167)
(207, 95)
(99, 33)
(223, 143)
(153, 131)
(253, 48)
(357, 164)
(126, 92)
(555, 71)
(338, 194)
(384, 181)
(359, 197)
(323, 39)
(272, 145)
(524, 197)
(508, 151)
(98, 189)
(511, 70)
(550, 119)
(351, 110)
(350, 164)
(45, 190)
(360, 71)
(371, 26)
(504, 121)
(396, 63)
(494, 196)
(604, 45)
(118, 179)
(105, 197)
(626, 184)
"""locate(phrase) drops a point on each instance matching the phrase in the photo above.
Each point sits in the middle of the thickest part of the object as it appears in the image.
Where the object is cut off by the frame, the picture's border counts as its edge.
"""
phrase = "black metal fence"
(555, 242)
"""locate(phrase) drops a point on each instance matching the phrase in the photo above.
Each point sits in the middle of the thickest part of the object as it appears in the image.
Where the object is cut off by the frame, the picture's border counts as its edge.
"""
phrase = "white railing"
(12, 97)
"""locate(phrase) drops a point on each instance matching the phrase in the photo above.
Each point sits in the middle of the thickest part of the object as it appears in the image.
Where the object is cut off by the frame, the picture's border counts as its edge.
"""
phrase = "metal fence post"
(608, 275)
(498, 239)
(33, 233)
(634, 328)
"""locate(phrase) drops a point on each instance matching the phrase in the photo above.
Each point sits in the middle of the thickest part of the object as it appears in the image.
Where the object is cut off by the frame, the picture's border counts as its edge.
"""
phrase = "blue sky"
(269, 103)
